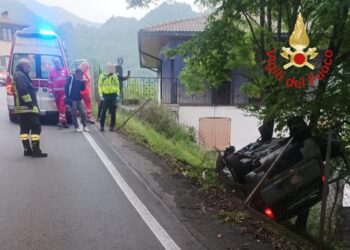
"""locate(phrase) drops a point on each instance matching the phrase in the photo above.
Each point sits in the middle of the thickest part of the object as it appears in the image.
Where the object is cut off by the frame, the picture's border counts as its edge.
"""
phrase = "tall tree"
(240, 33)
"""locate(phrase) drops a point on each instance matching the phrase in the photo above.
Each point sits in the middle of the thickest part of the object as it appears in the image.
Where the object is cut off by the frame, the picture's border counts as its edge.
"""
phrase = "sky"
(101, 10)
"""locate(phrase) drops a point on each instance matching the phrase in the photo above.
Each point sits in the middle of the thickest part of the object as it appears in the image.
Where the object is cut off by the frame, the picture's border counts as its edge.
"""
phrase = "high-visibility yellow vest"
(108, 84)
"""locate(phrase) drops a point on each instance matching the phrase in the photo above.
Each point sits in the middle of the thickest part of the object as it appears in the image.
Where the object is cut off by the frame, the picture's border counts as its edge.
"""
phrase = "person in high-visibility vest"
(26, 106)
(121, 80)
(108, 88)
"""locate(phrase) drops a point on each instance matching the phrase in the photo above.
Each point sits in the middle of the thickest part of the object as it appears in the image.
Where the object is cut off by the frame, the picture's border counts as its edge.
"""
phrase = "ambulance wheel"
(50, 119)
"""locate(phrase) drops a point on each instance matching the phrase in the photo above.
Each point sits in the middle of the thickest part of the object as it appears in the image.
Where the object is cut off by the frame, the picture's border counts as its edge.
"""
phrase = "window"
(9, 35)
(222, 95)
(2, 70)
(2, 61)
(40, 64)
(6, 34)
(3, 34)
(47, 65)
(7, 60)
(31, 58)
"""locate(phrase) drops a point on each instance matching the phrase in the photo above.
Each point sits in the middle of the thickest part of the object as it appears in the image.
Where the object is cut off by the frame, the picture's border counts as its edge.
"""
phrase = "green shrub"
(164, 122)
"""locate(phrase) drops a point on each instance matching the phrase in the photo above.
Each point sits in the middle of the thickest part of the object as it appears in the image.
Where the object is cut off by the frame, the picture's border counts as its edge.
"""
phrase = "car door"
(47, 100)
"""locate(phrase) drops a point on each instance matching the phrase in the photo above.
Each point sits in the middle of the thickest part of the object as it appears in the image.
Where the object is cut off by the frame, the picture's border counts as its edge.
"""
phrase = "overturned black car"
(295, 182)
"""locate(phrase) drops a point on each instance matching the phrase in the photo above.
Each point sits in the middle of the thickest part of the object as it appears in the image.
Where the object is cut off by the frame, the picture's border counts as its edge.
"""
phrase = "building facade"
(222, 102)
(8, 28)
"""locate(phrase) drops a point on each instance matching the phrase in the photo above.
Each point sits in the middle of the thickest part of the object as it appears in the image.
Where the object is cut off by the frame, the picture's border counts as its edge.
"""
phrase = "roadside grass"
(155, 128)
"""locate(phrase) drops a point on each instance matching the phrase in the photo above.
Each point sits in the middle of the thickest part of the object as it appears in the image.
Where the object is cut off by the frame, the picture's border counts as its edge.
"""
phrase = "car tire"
(49, 119)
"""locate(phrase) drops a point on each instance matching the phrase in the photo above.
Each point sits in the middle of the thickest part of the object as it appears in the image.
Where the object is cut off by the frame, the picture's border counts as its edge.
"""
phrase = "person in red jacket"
(57, 81)
(86, 94)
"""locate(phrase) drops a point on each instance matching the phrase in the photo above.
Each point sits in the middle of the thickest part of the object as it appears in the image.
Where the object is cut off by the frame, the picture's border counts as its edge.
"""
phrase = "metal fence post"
(325, 187)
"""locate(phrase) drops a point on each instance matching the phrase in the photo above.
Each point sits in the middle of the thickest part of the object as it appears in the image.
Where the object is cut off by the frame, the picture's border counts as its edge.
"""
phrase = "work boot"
(62, 125)
(102, 129)
(65, 125)
(111, 129)
(36, 150)
(27, 148)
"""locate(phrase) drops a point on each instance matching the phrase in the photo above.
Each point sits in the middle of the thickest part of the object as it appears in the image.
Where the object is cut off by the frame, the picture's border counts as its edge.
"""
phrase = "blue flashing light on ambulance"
(47, 33)
(41, 48)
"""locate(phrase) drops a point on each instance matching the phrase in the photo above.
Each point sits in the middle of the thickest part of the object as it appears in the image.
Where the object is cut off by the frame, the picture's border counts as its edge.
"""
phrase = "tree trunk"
(262, 22)
(279, 22)
(335, 45)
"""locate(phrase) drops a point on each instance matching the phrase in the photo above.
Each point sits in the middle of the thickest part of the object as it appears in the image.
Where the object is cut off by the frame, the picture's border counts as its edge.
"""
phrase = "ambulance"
(41, 48)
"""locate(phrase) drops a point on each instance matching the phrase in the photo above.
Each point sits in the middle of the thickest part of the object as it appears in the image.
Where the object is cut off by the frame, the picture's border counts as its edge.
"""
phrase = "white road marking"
(163, 237)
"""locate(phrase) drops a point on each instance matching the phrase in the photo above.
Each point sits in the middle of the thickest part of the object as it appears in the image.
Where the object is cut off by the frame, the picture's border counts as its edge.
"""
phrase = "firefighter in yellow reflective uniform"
(108, 88)
(26, 106)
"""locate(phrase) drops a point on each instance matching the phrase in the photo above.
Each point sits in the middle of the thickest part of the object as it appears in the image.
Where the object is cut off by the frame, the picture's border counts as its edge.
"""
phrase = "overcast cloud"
(101, 10)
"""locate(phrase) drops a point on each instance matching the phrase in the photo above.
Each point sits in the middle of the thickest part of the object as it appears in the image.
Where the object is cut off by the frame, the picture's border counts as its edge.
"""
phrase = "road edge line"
(163, 237)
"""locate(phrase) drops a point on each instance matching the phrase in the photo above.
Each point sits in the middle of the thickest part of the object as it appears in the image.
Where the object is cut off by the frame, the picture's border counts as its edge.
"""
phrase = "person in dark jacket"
(74, 86)
(26, 106)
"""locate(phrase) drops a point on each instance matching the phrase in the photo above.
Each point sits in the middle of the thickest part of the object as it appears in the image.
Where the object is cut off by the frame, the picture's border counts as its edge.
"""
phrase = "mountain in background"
(118, 37)
(103, 43)
(168, 12)
(55, 15)
(19, 12)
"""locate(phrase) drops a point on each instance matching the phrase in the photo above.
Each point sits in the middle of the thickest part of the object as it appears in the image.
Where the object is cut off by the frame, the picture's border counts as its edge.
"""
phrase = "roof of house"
(196, 24)
(5, 19)
(153, 38)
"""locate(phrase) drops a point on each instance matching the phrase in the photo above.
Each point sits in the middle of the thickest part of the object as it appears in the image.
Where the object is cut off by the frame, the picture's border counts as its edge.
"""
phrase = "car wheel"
(49, 119)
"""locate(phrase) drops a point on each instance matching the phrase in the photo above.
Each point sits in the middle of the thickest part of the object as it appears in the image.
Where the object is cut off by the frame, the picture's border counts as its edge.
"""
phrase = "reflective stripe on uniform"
(35, 109)
(58, 89)
(35, 137)
(62, 118)
(26, 98)
(24, 137)
(59, 78)
(25, 109)
(22, 109)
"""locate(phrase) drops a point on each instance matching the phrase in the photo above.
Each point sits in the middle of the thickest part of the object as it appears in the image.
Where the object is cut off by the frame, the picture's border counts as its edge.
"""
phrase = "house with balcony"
(8, 27)
(215, 114)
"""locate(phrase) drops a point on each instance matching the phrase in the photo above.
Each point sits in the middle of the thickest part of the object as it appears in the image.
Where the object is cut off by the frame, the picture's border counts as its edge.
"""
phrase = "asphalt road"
(83, 196)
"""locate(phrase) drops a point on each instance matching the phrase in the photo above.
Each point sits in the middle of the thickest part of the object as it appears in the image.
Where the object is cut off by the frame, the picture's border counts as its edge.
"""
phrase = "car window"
(47, 64)
(31, 58)
(76, 64)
